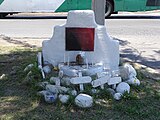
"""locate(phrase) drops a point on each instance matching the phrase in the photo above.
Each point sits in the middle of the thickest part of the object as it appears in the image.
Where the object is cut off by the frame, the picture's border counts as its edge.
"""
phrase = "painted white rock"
(100, 81)
(74, 92)
(114, 80)
(63, 98)
(102, 74)
(81, 80)
(69, 71)
(84, 101)
(66, 81)
(123, 87)
(46, 69)
(94, 70)
(56, 89)
(55, 80)
(132, 71)
(117, 96)
(124, 73)
(50, 98)
(133, 81)
(43, 93)
(43, 84)
(60, 74)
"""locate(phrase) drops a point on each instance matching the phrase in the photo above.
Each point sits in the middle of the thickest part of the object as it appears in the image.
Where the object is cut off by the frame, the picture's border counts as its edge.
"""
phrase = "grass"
(18, 99)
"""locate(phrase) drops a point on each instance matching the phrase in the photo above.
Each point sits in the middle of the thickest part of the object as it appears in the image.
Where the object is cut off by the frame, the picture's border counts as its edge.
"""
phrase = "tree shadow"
(129, 53)
(16, 42)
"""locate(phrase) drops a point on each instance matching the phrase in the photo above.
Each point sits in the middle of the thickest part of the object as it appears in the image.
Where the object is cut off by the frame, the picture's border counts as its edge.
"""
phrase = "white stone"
(66, 81)
(74, 92)
(69, 71)
(133, 81)
(132, 71)
(43, 84)
(47, 69)
(50, 98)
(60, 74)
(94, 70)
(100, 81)
(117, 96)
(43, 93)
(84, 101)
(123, 87)
(104, 47)
(114, 80)
(124, 73)
(55, 80)
(63, 98)
(56, 89)
(81, 80)
(102, 74)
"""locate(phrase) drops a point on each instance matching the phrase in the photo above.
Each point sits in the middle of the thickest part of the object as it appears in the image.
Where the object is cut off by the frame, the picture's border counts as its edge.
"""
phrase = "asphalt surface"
(138, 33)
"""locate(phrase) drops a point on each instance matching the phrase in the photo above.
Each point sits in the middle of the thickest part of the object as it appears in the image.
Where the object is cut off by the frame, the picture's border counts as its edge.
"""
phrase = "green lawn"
(18, 99)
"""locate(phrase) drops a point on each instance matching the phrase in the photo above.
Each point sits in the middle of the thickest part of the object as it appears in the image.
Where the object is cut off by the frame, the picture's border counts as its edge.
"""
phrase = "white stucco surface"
(106, 50)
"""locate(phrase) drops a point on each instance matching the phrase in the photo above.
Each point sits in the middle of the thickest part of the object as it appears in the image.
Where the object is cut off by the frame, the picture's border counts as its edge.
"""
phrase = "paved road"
(139, 35)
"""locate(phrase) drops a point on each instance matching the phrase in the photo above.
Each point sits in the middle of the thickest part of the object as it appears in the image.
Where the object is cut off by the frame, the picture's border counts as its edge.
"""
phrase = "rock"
(43, 84)
(60, 74)
(117, 96)
(69, 71)
(124, 73)
(55, 80)
(2, 76)
(123, 87)
(84, 101)
(56, 89)
(47, 69)
(133, 81)
(50, 98)
(63, 98)
(66, 81)
(74, 92)
(127, 71)
(94, 70)
(114, 80)
(111, 91)
(132, 71)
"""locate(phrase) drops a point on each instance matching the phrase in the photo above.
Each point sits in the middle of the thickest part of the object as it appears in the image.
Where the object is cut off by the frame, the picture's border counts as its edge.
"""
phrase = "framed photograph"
(79, 39)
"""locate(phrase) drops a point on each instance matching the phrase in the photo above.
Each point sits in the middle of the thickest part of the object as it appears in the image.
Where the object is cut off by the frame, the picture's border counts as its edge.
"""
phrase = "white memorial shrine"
(105, 50)
(84, 55)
